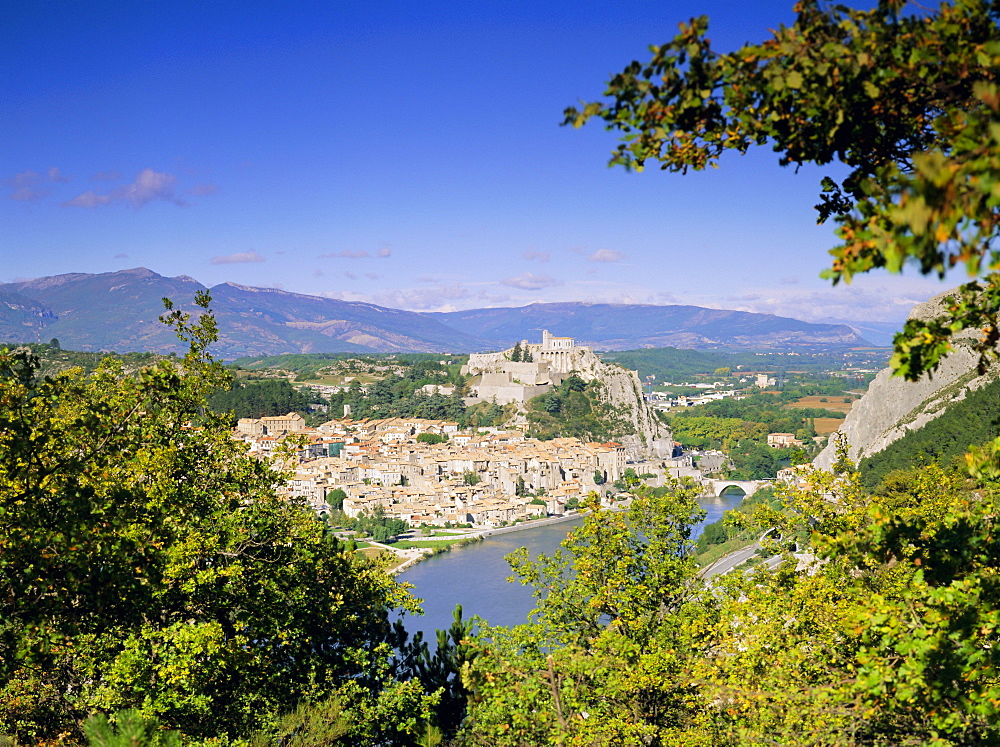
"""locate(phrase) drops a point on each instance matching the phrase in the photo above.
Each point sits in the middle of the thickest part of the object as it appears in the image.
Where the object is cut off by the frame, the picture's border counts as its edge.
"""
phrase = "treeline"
(671, 364)
(52, 358)
(260, 398)
(398, 396)
(309, 366)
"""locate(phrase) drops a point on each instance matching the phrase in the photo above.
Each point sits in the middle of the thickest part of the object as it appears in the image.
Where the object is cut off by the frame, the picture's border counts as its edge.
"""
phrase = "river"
(475, 575)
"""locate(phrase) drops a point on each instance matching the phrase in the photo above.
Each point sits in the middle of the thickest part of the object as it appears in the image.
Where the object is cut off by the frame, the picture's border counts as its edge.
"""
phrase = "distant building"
(271, 426)
(782, 440)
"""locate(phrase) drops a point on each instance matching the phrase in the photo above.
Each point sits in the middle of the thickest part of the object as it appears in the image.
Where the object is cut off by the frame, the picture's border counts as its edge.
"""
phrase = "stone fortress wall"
(503, 381)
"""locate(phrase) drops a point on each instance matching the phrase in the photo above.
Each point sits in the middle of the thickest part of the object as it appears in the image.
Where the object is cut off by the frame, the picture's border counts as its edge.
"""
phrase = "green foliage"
(399, 396)
(380, 527)
(572, 409)
(908, 101)
(431, 438)
(754, 461)
(255, 399)
(607, 630)
(336, 499)
(146, 562)
(129, 730)
(441, 671)
(488, 414)
(706, 432)
(471, 477)
(886, 639)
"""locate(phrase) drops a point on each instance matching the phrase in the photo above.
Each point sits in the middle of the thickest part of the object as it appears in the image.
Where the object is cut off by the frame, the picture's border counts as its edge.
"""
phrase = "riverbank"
(410, 556)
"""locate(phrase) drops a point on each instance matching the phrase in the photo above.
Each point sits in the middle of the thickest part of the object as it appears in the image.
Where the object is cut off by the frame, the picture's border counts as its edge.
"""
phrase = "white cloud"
(885, 299)
(423, 299)
(385, 251)
(31, 186)
(29, 194)
(238, 258)
(534, 254)
(346, 254)
(606, 255)
(530, 281)
(149, 186)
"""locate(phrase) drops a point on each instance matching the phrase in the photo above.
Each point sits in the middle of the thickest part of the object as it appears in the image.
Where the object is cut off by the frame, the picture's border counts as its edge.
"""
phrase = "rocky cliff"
(892, 406)
(627, 410)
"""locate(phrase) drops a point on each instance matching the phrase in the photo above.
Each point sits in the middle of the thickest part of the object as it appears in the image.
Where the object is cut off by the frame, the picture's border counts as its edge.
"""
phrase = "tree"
(471, 477)
(147, 563)
(336, 499)
(431, 438)
(606, 639)
(907, 99)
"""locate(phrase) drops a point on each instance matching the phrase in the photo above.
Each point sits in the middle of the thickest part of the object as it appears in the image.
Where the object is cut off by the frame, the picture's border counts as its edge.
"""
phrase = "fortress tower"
(556, 351)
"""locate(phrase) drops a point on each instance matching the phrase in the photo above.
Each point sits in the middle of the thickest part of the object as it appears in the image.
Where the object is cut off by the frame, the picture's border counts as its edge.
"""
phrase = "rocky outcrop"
(619, 391)
(893, 406)
(628, 411)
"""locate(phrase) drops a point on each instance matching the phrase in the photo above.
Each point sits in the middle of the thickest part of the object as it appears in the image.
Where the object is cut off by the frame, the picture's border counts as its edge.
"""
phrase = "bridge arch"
(749, 487)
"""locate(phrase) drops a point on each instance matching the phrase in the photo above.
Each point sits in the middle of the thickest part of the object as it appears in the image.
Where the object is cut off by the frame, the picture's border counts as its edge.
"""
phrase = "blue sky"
(403, 153)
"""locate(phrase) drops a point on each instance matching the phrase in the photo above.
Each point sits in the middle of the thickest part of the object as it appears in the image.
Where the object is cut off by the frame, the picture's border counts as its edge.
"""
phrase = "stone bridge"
(749, 487)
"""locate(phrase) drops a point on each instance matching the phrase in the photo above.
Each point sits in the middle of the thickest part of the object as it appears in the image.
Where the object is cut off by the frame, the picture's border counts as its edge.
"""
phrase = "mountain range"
(120, 311)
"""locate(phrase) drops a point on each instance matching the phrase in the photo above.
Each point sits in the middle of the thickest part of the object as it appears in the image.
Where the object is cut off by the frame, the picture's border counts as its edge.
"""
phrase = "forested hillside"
(972, 421)
(254, 399)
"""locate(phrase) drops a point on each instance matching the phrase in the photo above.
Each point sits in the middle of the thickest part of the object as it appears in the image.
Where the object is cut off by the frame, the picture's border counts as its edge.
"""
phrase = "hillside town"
(487, 478)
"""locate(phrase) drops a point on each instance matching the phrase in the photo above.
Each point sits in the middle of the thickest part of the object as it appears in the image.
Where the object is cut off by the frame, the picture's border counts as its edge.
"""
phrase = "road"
(724, 565)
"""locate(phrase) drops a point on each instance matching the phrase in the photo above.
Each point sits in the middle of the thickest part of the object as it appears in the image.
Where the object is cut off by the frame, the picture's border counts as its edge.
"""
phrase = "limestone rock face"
(621, 391)
(892, 406)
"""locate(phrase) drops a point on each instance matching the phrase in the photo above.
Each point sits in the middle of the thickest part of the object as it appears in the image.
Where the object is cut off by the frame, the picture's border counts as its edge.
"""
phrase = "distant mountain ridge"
(630, 326)
(120, 311)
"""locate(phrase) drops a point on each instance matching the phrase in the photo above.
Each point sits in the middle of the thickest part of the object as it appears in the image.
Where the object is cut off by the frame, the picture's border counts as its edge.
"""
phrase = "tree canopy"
(906, 97)
(148, 566)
